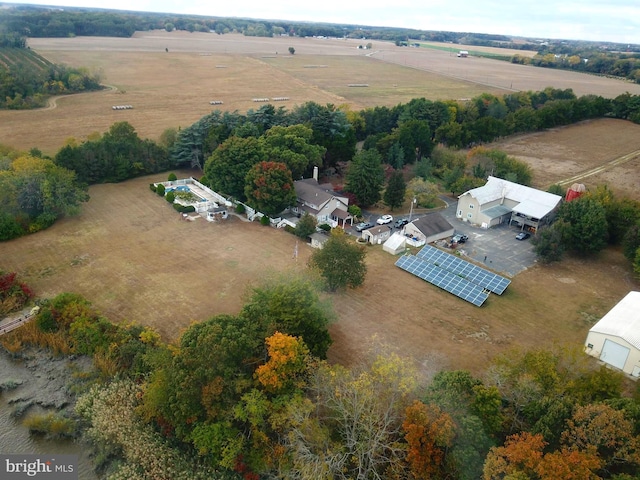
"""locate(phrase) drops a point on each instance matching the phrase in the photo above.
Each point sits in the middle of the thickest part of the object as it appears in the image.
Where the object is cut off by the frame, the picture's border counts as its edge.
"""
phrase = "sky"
(604, 20)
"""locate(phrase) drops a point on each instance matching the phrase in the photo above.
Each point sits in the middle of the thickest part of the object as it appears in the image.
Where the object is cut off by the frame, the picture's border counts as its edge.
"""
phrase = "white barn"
(615, 339)
(501, 201)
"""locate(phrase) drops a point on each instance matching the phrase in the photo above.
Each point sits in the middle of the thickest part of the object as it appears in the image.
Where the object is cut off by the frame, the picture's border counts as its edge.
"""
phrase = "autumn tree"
(350, 424)
(34, 192)
(608, 432)
(523, 457)
(429, 432)
(340, 262)
(291, 306)
(287, 364)
(269, 187)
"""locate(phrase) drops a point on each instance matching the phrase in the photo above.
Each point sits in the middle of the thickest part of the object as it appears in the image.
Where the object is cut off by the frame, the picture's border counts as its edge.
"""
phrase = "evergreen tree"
(395, 192)
(365, 177)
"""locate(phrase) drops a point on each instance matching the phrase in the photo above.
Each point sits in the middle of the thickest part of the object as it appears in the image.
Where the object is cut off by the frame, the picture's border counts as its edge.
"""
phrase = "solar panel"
(441, 278)
(478, 275)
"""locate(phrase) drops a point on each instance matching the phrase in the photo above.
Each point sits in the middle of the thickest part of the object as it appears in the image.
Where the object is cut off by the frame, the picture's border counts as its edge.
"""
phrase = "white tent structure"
(396, 244)
(615, 339)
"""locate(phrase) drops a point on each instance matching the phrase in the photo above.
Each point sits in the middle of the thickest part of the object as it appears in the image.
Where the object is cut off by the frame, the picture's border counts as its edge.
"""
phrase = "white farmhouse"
(615, 339)
(322, 202)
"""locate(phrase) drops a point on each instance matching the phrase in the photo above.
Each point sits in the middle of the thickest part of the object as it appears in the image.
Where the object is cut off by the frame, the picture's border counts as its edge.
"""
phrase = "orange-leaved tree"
(429, 432)
(522, 457)
(287, 364)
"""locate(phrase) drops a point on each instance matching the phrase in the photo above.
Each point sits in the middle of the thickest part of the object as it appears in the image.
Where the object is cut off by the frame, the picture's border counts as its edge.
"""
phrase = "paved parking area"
(495, 247)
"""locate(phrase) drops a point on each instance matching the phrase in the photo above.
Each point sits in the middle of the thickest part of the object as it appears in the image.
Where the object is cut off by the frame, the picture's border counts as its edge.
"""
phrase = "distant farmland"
(174, 88)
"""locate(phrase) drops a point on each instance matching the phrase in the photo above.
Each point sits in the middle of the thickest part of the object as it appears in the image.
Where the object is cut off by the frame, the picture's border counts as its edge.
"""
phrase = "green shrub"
(50, 424)
(184, 209)
(170, 197)
(152, 187)
(325, 226)
(172, 177)
(240, 208)
(160, 190)
(9, 227)
(46, 321)
(264, 220)
(290, 229)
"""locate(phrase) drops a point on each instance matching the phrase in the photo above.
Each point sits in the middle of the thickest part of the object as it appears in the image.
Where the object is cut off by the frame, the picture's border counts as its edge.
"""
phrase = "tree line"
(27, 79)
(227, 145)
(609, 63)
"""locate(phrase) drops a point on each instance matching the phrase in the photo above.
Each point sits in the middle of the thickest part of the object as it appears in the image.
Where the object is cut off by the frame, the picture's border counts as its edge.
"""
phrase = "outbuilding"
(501, 201)
(428, 229)
(615, 339)
(377, 235)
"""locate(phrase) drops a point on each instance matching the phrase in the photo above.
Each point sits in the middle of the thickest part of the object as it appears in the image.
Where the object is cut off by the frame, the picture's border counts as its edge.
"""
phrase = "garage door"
(614, 354)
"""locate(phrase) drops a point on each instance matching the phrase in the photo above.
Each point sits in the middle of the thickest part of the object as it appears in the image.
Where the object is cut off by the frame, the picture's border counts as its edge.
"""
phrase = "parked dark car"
(401, 222)
(363, 226)
(459, 238)
(523, 236)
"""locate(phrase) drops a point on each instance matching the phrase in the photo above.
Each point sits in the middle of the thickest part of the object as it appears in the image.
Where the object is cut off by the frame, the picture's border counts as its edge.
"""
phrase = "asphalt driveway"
(496, 247)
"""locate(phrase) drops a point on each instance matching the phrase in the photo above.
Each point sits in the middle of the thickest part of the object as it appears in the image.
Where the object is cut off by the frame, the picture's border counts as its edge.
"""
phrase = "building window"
(471, 205)
(469, 215)
(459, 213)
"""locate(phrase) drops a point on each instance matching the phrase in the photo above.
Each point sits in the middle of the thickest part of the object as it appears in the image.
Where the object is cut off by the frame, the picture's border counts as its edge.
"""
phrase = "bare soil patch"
(131, 255)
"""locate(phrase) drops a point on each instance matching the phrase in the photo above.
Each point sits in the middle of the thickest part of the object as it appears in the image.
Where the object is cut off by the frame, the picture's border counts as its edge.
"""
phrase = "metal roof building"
(615, 339)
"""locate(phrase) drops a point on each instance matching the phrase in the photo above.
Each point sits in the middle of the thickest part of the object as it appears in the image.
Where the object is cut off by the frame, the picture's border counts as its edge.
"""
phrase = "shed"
(615, 339)
(396, 244)
(377, 234)
(429, 228)
(318, 239)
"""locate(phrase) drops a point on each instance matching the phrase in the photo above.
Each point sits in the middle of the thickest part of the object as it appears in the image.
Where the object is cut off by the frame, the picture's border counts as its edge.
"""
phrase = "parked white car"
(384, 219)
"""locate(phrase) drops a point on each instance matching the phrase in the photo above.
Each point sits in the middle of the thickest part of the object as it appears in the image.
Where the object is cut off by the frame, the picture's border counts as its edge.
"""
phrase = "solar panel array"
(439, 277)
(484, 278)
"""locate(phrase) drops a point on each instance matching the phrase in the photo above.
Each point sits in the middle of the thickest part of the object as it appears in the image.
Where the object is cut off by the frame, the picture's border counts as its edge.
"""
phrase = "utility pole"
(411, 211)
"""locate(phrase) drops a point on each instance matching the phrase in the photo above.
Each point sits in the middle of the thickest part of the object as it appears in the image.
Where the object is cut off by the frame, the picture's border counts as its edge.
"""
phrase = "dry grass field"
(596, 152)
(130, 254)
(174, 88)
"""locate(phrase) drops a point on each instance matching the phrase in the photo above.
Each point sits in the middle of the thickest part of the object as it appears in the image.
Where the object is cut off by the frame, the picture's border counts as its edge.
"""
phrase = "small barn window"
(471, 205)
(469, 215)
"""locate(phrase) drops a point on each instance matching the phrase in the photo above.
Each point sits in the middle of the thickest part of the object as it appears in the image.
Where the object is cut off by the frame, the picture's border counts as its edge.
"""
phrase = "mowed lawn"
(133, 258)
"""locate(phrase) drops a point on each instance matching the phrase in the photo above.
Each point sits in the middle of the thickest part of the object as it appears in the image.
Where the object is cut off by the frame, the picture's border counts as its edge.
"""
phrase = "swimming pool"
(180, 188)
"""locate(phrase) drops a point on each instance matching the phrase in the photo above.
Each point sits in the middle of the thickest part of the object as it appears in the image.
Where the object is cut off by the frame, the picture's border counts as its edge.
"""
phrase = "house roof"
(432, 224)
(341, 214)
(531, 202)
(377, 230)
(310, 191)
(623, 320)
